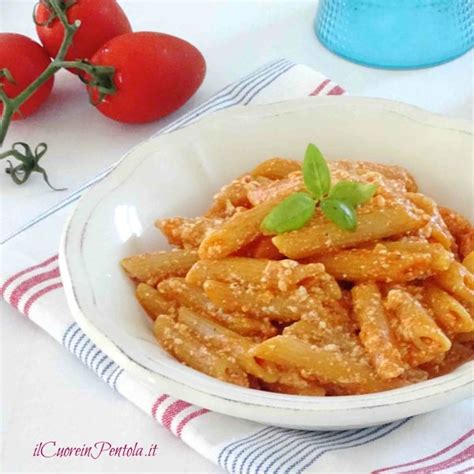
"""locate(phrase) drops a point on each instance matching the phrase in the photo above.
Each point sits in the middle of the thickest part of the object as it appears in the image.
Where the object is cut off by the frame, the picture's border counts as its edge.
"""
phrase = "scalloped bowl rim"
(227, 398)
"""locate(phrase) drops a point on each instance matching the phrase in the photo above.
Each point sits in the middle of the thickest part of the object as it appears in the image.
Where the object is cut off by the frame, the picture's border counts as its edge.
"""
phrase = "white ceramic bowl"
(177, 174)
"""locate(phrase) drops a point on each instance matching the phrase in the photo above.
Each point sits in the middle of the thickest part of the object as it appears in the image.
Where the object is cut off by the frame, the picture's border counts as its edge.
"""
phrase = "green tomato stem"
(100, 77)
(12, 105)
(87, 67)
(7, 115)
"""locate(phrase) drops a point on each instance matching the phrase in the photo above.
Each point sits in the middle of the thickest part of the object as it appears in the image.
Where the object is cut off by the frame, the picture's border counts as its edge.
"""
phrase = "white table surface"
(46, 393)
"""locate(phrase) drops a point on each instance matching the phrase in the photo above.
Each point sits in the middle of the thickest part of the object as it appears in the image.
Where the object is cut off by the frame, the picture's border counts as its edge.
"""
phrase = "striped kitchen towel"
(30, 281)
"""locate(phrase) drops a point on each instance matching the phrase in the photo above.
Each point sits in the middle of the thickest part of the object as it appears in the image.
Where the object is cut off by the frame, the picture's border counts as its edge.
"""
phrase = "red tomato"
(26, 60)
(155, 74)
(101, 20)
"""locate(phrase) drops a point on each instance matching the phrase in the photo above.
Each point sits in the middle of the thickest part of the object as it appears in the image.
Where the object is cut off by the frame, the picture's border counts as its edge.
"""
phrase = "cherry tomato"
(101, 20)
(155, 74)
(25, 60)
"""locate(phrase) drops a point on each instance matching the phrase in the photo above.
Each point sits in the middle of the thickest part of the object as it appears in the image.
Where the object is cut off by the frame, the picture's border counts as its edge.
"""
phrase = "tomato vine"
(101, 77)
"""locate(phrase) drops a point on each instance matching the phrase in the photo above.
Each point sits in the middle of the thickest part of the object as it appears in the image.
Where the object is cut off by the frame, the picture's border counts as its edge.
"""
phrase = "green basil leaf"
(340, 212)
(291, 214)
(316, 175)
(352, 192)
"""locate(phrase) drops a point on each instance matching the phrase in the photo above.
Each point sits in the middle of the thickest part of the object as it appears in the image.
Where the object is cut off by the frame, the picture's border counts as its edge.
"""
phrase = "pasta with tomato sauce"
(319, 310)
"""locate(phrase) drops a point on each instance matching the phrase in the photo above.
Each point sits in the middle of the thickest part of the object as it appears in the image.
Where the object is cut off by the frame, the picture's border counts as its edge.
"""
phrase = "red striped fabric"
(157, 403)
(449, 463)
(170, 413)
(428, 458)
(188, 418)
(320, 87)
(173, 410)
(14, 277)
(464, 471)
(337, 90)
(23, 287)
(39, 294)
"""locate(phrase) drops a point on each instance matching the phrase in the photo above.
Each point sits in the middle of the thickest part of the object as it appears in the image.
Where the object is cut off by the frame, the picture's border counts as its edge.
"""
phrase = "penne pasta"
(151, 268)
(235, 233)
(282, 188)
(261, 247)
(441, 258)
(153, 302)
(229, 198)
(468, 261)
(233, 196)
(320, 236)
(368, 171)
(375, 333)
(276, 168)
(282, 275)
(459, 354)
(466, 244)
(325, 332)
(328, 365)
(282, 307)
(447, 311)
(240, 269)
(378, 385)
(322, 310)
(371, 386)
(436, 227)
(387, 263)
(225, 340)
(259, 303)
(178, 340)
(194, 298)
(416, 325)
(458, 281)
(414, 356)
(187, 232)
(288, 275)
(457, 224)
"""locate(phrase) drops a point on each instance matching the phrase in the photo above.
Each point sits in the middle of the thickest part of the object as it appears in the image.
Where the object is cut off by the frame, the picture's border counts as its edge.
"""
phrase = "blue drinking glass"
(396, 34)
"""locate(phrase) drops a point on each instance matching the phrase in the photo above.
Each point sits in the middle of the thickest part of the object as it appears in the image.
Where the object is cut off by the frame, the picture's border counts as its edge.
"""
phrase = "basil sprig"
(316, 174)
(292, 213)
(337, 203)
(351, 192)
(340, 212)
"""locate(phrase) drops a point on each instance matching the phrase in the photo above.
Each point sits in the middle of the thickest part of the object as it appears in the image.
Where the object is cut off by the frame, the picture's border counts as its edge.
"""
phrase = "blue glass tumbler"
(396, 34)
